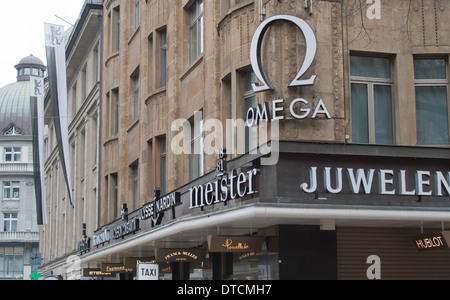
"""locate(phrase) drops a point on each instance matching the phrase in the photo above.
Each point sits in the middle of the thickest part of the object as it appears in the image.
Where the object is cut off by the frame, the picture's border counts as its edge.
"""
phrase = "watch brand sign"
(238, 244)
(125, 229)
(155, 209)
(431, 241)
(262, 112)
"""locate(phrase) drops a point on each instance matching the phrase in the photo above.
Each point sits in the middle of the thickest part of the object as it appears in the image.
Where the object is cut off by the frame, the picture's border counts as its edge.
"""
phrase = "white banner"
(37, 111)
(56, 60)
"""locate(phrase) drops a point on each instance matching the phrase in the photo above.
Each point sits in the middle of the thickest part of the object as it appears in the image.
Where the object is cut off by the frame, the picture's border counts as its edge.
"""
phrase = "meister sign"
(230, 186)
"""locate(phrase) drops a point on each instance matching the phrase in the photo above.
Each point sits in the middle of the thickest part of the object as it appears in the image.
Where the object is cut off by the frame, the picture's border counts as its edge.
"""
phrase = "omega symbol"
(255, 53)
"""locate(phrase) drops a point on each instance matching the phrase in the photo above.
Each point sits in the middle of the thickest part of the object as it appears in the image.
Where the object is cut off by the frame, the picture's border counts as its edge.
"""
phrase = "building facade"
(19, 234)
(343, 175)
(65, 222)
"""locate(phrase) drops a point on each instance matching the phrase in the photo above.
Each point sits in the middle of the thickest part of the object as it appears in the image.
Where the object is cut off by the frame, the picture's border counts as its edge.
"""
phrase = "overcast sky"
(22, 30)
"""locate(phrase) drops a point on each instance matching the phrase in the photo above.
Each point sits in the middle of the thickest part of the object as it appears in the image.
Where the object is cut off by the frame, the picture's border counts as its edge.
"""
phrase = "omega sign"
(262, 112)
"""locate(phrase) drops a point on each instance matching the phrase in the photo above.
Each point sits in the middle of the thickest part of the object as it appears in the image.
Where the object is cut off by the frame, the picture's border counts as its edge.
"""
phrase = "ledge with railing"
(18, 236)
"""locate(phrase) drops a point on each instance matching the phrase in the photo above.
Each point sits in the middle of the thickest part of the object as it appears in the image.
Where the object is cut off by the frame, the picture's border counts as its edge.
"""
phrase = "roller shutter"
(399, 257)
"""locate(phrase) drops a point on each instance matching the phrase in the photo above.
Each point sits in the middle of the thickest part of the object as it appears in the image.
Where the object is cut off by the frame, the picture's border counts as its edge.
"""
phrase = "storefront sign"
(126, 229)
(155, 209)
(388, 181)
(147, 271)
(255, 52)
(132, 262)
(228, 187)
(180, 255)
(298, 107)
(298, 110)
(234, 244)
(114, 268)
(430, 242)
(96, 272)
(101, 238)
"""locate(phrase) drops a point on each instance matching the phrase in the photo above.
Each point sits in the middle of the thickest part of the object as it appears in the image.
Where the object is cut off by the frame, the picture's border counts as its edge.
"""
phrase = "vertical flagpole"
(37, 113)
(56, 61)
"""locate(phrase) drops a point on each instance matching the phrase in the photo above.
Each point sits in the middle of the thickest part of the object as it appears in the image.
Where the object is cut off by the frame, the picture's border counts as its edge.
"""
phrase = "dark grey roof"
(30, 60)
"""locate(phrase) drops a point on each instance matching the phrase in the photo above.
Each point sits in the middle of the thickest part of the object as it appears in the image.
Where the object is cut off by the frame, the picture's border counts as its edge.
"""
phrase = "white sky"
(22, 30)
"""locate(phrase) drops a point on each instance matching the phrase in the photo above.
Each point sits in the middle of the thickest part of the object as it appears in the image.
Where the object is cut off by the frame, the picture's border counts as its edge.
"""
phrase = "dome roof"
(29, 66)
(15, 108)
(31, 60)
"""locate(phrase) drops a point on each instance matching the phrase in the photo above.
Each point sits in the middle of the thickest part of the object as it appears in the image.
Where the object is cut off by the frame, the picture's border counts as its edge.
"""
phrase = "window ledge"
(191, 67)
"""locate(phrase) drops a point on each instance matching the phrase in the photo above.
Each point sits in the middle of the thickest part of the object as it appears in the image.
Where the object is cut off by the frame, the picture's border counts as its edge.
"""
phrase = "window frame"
(433, 83)
(10, 190)
(371, 82)
(10, 219)
(196, 144)
(196, 22)
(15, 154)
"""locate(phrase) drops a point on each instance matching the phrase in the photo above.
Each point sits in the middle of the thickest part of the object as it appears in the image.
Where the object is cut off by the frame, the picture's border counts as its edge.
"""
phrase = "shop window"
(371, 100)
(11, 262)
(195, 30)
(431, 85)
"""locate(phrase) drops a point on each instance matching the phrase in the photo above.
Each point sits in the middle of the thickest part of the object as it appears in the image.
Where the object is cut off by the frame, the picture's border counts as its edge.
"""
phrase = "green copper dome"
(15, 114)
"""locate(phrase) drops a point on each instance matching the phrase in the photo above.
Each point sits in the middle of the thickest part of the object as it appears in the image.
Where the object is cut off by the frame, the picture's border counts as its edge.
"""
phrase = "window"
(431, 83)
(11, 190)
(163, 53)
(134, 170)
(137, 13)
(136, 100)
(12, 130)
(114, 192)
(371, 100)
(162, 164)
(13, 154)
(11, 262)
(115, 115)
(10, 222)
(195, 30)
(249, 101)
(196, 155)
(116, 29)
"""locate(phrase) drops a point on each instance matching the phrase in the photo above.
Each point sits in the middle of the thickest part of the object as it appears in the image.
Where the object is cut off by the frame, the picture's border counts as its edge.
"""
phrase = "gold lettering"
(229, 245)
